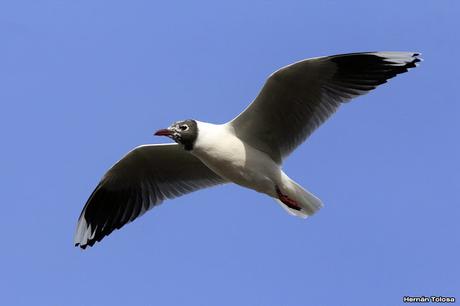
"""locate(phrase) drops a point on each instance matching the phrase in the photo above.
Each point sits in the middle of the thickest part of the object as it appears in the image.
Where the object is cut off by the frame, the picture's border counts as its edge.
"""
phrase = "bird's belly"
(243, 165)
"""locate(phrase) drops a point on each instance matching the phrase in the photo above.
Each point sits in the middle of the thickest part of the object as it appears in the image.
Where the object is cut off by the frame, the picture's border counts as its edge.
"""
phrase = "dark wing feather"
(298, 98)
(139, 181)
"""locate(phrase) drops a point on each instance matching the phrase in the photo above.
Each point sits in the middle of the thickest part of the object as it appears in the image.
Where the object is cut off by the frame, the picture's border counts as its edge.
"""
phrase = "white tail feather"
(292, 212)
(307, 201)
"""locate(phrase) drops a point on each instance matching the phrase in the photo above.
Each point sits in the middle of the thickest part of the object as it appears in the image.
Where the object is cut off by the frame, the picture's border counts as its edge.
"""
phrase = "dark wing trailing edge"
(139, 181)
(298, 98)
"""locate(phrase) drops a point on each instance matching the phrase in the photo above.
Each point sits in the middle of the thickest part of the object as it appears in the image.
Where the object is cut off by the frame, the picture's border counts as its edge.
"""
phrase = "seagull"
(248, 150)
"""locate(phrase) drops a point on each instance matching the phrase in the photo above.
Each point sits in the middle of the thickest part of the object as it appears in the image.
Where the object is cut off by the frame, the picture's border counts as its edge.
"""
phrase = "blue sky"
(83, 82)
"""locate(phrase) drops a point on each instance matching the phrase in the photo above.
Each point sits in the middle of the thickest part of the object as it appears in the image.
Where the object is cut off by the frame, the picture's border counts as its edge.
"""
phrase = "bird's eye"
(183, 127)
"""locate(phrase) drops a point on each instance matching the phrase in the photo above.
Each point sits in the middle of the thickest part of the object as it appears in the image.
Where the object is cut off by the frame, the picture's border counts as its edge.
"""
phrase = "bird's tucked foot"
(287, 200)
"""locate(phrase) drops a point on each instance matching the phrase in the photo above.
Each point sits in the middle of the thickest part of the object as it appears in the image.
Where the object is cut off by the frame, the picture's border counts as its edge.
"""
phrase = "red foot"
(287, 200)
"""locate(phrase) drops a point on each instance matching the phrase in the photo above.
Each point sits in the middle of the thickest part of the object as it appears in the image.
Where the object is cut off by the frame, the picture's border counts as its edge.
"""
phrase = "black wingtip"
(417, 58)
(81, 246)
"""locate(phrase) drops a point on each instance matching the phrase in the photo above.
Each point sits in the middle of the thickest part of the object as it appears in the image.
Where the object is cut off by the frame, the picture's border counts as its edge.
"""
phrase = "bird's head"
(183, 132)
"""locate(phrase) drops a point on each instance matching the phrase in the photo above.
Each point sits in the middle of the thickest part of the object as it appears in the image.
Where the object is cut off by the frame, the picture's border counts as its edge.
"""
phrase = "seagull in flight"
(248, 150)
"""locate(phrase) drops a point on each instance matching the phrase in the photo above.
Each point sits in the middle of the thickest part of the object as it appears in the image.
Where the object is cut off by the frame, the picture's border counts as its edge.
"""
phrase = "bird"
(248, 150)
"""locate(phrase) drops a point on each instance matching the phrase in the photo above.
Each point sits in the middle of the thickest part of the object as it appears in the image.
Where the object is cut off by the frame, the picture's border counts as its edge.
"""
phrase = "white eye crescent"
(183, 127)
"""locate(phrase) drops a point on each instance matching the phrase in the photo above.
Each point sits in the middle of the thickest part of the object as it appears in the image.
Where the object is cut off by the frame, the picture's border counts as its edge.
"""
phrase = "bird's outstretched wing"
(139, 181)
(298, 98)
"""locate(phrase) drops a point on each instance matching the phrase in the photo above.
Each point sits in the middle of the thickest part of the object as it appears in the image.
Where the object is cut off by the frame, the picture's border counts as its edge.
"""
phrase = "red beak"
(163, 132)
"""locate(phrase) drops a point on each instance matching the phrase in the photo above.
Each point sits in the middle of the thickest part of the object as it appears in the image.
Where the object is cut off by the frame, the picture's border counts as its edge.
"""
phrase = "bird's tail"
(307, 203)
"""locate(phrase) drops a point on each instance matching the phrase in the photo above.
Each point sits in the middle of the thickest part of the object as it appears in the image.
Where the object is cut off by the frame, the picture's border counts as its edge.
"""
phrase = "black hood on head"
(186, 133)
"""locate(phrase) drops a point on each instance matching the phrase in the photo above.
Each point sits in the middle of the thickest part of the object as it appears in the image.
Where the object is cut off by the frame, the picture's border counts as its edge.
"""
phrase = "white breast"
(224, 153)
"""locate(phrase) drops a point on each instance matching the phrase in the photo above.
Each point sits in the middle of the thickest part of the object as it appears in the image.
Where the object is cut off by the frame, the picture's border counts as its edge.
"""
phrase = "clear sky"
(83, 82)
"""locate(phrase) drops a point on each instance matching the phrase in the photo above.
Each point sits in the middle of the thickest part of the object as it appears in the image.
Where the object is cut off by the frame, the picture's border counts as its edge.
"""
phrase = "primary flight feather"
(247, 150)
